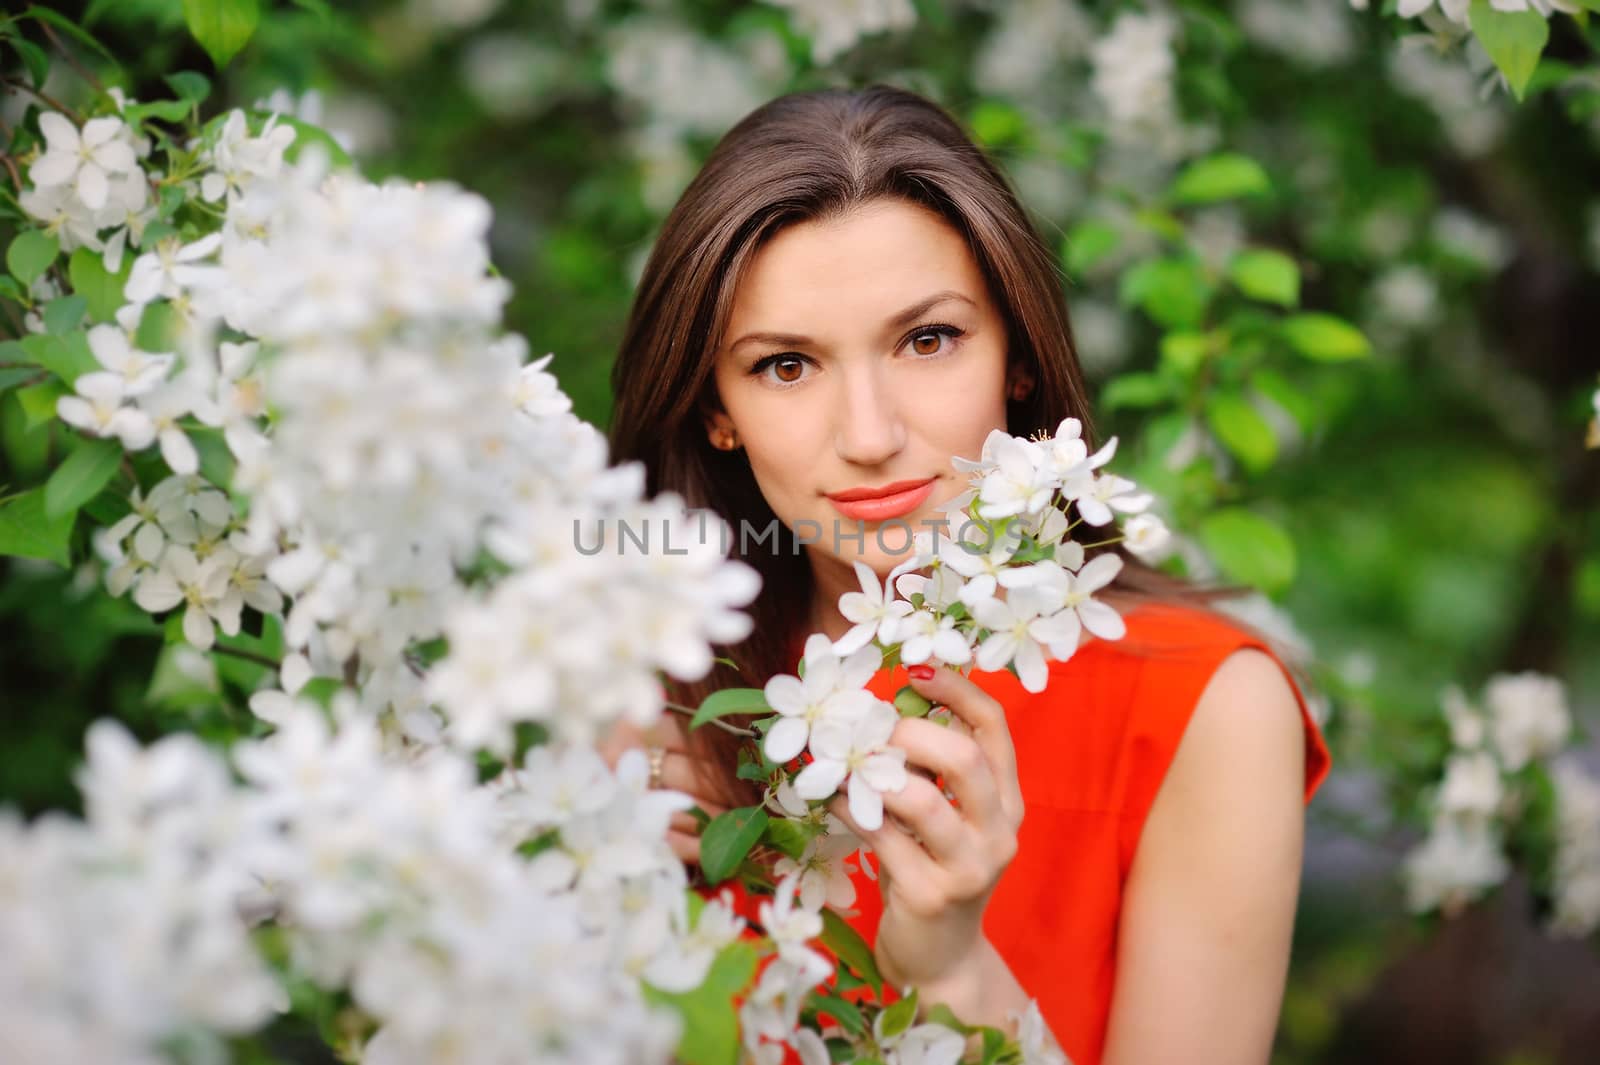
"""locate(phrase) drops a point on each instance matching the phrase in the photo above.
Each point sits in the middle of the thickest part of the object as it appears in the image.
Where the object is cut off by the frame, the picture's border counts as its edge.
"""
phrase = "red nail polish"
(920, 672)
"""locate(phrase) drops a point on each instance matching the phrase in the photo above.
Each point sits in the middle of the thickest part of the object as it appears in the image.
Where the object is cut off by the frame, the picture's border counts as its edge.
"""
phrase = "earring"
(726, 440)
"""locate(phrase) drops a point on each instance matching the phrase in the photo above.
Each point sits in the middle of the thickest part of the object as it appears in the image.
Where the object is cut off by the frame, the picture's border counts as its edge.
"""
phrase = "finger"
(959, 759)
(620, 737)
(685, 846)
(897, 853)
(987, 719)
(667, 733)
(924, 810)
(679, 772)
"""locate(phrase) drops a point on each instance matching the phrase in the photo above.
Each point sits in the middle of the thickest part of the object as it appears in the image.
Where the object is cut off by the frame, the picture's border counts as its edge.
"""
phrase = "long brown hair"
(817, 156)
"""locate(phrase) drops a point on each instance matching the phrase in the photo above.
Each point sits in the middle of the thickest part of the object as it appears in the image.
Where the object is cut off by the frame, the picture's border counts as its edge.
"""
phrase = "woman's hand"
(680, 771)
(937, 872)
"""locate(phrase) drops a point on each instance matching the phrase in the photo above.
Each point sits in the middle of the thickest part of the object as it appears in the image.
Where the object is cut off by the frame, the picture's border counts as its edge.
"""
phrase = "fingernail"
(920, 672)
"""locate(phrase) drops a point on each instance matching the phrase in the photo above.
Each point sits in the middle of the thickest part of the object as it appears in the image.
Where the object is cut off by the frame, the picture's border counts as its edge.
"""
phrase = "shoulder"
(1211, 701)
(1209, 900)
(1245, 731)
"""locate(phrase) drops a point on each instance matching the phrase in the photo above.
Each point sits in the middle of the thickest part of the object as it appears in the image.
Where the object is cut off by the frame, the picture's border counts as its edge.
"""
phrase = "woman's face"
(861, 354)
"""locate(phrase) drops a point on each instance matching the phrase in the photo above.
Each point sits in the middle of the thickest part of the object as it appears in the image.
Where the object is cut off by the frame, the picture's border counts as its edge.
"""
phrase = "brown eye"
(789, 369)
(933, 334)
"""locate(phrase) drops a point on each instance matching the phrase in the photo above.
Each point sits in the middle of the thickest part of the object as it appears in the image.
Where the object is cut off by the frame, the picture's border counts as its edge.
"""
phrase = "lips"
(882, 502)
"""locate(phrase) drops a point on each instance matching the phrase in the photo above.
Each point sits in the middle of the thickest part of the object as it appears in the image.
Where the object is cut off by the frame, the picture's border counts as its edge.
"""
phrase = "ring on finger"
(658, 757)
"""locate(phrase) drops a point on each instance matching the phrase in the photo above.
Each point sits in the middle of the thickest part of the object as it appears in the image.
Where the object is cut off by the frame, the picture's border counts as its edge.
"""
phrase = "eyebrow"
(905, 317)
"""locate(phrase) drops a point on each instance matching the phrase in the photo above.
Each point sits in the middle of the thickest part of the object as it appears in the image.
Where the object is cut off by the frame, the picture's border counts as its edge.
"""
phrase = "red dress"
(1092, 750)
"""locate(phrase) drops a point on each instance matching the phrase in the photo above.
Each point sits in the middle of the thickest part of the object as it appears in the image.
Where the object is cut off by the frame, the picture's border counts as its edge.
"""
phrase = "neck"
(830, 578)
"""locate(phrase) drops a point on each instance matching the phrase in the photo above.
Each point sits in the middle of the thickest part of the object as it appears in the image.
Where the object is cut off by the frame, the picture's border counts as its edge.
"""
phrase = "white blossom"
(83, 160)
(98, 408)
(1528, 717)
(855, 748)
(831, 689)
(835, 26)
(1455, 865)
(872, 612)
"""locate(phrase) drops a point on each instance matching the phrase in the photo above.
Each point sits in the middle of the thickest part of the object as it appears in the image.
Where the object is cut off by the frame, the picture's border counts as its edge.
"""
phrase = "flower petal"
(1102, 620)
(820, 779)
(866, 805)
(1098, 572)
(786, 739)
(91, 186)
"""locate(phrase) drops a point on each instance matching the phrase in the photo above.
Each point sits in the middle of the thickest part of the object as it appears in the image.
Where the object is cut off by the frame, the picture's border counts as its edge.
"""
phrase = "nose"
(869, 430)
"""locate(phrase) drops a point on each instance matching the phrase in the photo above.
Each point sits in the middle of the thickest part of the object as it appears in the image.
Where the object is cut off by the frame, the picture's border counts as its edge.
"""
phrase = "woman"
(847, 296)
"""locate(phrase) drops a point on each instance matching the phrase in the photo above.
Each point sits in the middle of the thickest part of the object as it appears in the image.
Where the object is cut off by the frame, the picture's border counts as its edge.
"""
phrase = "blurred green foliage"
(1349, 339)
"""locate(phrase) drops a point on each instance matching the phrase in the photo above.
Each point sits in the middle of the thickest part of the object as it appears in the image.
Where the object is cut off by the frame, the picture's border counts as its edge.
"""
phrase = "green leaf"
(730, 701)
(191, 86)
(897, 1018)
(68, 357)
(847, 1013)
(39, 403)
(36, 59)
(30, 255)
(222, 26)
(1324, 337)
(939, 1013)
(848, 946)
(64, 314)
(994, 123)
(166, 110)
(710, 1021)
(158, 329)
(1173, 291)
(1164, 224)
(727, 839)
(1286, 394)
(27, 531)
(1183, 352)
(1137, 391)
(83, 474)
(1242, 430)
(1513, 39)
(11, 377)
(69, 27)
(101, 289)
(790, 837)
(216, 458)
(1220, 177)
(910, 703)
(1266, 275)
(305, 135)
(1087, 244)
(183, 678)
(1249, 548)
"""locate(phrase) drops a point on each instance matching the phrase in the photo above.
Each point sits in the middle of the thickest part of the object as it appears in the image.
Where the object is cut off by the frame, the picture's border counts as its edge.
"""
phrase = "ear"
(1020, 382)
(719, 428)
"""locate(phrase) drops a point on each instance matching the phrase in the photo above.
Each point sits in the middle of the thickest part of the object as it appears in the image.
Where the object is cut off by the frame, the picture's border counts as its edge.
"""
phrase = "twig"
(43, 98)
(248, 656)
(11, 168)
(16, 323)
(723, 725)
(72, 61)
